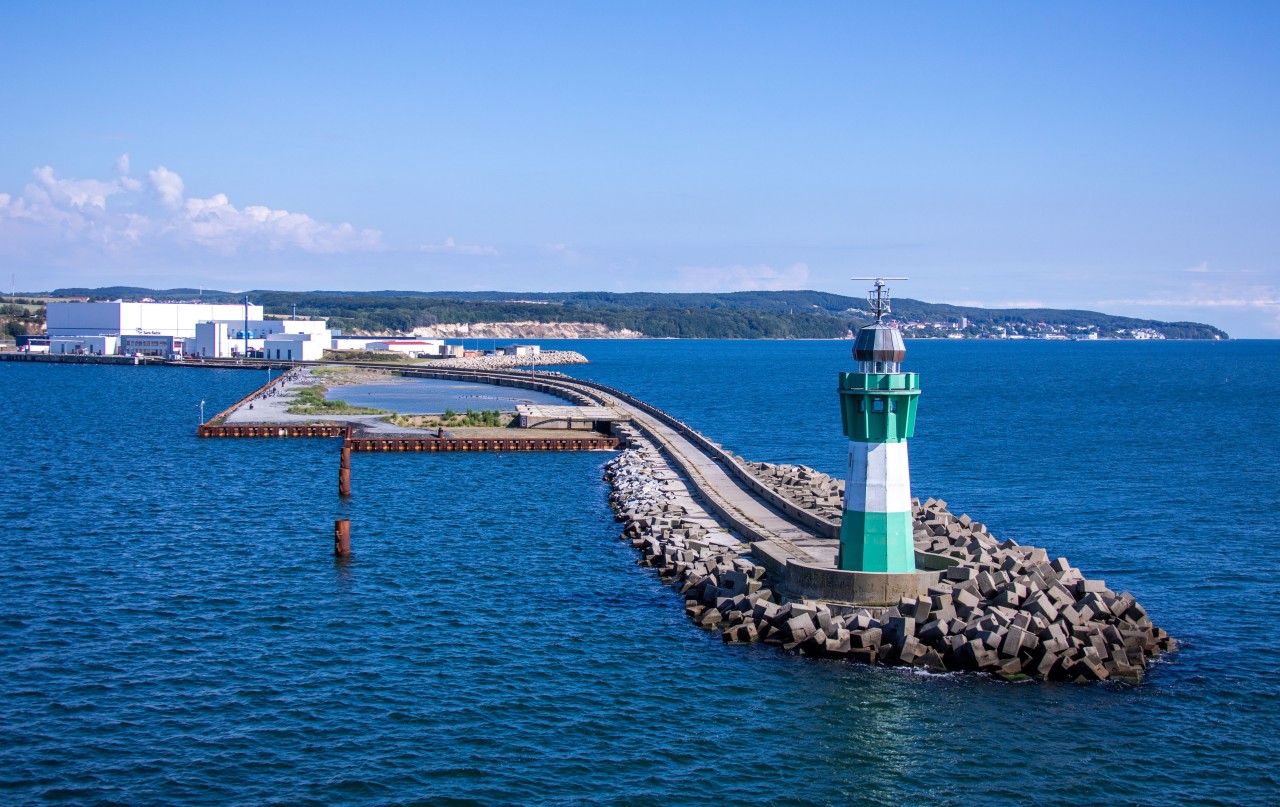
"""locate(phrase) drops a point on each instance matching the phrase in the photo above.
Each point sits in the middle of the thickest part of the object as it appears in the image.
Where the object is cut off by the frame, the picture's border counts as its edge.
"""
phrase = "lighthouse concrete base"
(801, 580)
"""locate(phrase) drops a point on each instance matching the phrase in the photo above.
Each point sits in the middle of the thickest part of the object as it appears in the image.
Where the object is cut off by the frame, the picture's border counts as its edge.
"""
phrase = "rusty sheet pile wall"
(595, 443)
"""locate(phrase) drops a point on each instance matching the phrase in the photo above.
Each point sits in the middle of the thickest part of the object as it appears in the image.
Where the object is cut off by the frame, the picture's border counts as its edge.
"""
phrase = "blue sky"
(1119, 157)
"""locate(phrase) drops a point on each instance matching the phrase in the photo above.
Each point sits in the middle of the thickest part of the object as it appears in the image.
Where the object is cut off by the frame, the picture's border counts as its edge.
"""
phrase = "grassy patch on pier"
(367, 356)
(453, 418)
(311, 401)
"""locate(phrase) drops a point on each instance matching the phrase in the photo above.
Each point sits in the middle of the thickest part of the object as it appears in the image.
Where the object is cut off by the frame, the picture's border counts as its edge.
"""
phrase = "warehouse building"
(152, 319)
(83, 345)
(422, 348)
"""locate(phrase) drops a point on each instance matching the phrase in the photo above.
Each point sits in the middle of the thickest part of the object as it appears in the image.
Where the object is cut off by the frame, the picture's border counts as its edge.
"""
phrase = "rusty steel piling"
(344, 470)
(342, 537)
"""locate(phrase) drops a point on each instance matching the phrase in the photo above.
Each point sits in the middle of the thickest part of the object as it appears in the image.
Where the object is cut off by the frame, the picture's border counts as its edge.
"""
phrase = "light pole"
(202, 411)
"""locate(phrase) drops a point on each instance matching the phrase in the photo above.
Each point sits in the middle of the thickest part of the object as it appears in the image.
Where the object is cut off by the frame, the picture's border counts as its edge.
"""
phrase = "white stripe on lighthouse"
(879, 478)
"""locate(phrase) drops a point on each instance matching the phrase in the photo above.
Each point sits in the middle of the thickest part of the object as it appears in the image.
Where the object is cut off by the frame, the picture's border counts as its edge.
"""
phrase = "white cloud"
(1203, 268)
(1248, 310)
(742, 278)
(449, 247)
(1259, 297)
(168, 186)
(564, 254)
(76, 219)
(1022, 304)
(71, 194)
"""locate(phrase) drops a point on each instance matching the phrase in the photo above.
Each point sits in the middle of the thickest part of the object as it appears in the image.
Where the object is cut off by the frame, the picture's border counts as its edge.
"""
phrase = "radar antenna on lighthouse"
(878, 297)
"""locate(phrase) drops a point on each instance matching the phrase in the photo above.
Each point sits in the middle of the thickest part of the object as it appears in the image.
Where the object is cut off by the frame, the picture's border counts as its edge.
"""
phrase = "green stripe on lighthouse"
(879, 407)
(877, 542)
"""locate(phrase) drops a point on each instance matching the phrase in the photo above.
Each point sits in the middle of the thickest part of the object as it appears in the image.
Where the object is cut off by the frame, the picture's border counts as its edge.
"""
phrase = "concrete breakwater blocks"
(685, 543)
(1003, 609)
(543, 359)
(809, 489)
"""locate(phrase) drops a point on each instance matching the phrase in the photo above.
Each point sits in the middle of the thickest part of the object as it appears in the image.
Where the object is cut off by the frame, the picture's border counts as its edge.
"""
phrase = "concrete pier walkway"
(728, 495)
(774, 533)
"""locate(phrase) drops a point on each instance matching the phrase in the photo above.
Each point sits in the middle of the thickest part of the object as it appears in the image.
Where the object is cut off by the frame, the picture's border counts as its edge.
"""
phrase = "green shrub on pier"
(485, 417)
(453, 418)
(311, 401)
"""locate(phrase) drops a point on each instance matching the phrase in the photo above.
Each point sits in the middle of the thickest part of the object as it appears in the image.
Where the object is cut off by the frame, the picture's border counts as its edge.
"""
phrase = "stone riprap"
(807, 488)
(543, 359)
(1011, 609)
(1004, 609)
(675, 535)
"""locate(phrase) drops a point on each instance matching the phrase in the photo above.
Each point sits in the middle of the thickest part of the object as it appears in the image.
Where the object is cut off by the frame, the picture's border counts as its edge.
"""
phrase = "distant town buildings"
(212, 330)
(963, 328)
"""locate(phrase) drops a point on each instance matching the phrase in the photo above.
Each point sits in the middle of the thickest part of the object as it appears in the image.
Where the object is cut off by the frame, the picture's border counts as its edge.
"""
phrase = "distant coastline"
(607, 315)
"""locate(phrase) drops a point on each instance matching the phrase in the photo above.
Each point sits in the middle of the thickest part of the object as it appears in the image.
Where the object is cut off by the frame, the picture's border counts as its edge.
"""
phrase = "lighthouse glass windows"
(879, 367)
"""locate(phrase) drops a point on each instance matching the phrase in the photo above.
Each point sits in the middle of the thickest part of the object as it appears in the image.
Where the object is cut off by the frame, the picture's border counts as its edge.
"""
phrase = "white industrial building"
(156, 319)
(354, 342)
(227, 339)
(84, 345)
(215, 330)
(520, 350)
(422, 348)
(414, 347)
(190, 329)
(295, 346)
(150, 344)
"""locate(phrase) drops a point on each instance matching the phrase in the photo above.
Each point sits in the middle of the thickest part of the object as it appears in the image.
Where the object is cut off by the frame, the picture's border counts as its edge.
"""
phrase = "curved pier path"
(777, 529)
(758, 515)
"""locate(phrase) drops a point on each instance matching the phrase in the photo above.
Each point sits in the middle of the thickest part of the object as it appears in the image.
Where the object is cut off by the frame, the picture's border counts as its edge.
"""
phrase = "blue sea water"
(433, 396)
(174, 628)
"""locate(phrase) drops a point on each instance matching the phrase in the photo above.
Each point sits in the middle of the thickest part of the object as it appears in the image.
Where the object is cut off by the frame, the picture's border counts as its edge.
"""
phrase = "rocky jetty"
(807, 488)
(527, 329)
(1001, 608)
(711, 569)
(1012, 610)
(543, 359)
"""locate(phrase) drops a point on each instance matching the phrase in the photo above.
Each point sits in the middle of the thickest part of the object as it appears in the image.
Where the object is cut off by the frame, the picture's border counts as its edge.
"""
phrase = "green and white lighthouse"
(878, 408)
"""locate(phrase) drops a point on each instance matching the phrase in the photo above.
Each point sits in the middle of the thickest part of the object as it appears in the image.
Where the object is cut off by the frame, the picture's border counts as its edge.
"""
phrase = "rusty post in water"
(342, 537)
(344, 470)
